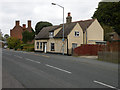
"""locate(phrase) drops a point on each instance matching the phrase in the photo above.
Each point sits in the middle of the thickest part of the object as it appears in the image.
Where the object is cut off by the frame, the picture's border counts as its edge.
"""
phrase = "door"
(74, 45)
(45, 47)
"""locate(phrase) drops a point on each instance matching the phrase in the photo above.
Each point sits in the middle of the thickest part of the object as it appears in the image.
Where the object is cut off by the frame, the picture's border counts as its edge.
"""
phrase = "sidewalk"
(90, 57)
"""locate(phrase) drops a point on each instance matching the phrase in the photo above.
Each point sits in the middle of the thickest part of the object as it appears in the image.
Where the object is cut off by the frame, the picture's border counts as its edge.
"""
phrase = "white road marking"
(32, 60)
(105, 84)
(17, 56)
(58, 69)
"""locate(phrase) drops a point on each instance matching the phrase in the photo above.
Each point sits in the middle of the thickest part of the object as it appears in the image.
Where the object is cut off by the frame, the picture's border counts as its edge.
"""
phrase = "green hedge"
(27, 47)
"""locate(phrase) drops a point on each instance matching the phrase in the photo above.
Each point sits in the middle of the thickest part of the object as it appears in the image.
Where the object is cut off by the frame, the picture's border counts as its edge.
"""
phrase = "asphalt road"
(38, 70)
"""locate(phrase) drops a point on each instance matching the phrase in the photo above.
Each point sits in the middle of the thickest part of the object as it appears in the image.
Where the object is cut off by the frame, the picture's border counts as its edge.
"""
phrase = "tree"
(0, 35)
(6, 36)
(13, 43)
(107, 29)
(40, 25)
(108, 13)
(28, 36)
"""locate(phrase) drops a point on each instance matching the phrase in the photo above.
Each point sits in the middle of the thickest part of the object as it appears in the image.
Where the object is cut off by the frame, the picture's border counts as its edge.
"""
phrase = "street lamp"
(63, 23)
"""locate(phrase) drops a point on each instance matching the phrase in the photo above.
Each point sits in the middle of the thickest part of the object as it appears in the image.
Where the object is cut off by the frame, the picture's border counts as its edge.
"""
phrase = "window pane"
(51, 34)
(76, 33)
(40, 45)
(52, 47)
(37, 45)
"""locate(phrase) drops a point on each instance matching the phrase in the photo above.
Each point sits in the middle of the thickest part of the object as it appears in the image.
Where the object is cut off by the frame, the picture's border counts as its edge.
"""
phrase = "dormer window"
(77, 33)
(51, 34)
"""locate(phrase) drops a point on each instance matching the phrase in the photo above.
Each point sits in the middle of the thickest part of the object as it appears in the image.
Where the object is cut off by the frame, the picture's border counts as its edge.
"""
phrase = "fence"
(88, 49)
(109, 56)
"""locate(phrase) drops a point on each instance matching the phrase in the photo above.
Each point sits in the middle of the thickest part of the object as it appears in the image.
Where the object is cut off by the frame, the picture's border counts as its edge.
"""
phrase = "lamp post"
(63, 23)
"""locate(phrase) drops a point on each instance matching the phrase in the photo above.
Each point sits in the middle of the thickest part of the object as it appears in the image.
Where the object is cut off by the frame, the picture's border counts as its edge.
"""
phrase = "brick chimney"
(24, 26)
(17, 23)
(29, 23)
(69, 18)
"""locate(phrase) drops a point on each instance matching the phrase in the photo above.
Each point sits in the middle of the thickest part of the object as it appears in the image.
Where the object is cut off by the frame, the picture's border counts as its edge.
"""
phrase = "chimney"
(24, 26)
(69, 18)
(17, 23)
(29, 23)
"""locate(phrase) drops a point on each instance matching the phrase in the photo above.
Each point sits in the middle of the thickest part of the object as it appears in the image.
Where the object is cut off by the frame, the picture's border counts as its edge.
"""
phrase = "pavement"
(91, 57)
(39, 70)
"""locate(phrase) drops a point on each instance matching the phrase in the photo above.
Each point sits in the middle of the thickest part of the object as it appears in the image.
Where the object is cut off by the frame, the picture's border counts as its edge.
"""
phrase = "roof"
(85, 24)
(44, 33)
(68, 27)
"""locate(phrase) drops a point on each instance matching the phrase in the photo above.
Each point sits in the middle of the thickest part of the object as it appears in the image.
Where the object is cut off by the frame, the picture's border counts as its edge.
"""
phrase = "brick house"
(17, 31)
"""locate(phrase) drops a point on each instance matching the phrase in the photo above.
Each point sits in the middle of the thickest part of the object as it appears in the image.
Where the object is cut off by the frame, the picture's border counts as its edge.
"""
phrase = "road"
(39, 70)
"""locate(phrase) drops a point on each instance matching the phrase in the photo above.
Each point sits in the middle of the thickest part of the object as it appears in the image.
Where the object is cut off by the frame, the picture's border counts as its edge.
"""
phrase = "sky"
(43, 10)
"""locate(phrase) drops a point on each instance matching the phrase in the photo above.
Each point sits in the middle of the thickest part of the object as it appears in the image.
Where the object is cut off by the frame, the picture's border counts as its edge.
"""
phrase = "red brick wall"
(88, 50)
(17, 32)
(113, 46)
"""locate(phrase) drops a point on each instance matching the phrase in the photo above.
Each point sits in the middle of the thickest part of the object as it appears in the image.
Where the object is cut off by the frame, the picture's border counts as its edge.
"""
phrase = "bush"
(14, 43)
(27, 47)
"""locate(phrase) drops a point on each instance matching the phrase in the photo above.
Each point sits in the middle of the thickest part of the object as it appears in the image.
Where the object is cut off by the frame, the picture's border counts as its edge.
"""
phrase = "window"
(37, 45)
(40, 45)
(77, 33)
(51, 34)
(52, 47)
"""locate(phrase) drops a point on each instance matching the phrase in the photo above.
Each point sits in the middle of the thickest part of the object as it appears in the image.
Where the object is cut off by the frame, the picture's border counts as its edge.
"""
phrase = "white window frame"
(77, 34)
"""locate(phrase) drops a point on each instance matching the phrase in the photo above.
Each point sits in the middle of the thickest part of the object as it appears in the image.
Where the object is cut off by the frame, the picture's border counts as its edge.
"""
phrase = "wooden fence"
(109, 56)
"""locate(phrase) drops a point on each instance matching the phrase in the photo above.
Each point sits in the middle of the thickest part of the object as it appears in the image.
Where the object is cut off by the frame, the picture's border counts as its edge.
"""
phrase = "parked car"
(5, 46)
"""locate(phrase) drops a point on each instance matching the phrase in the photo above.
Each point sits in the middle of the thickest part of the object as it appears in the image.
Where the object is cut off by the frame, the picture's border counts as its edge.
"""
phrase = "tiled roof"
(68, 27)
(85, 24)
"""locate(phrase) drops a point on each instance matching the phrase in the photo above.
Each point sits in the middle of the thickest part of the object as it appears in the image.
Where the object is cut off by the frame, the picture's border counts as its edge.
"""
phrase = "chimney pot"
(69, 14)
(29, 23)
(69, 18)
(17, 23)
(24, 26)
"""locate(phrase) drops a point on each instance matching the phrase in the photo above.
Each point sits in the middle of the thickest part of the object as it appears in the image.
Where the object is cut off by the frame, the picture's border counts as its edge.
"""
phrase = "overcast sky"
(42, 10)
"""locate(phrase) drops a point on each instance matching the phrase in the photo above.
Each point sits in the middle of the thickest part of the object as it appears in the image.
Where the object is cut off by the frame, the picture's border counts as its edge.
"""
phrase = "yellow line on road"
(45, 56)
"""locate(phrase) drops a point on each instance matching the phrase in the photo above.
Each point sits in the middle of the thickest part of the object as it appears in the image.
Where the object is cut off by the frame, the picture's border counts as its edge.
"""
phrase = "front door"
(74, 45)
(45, 47)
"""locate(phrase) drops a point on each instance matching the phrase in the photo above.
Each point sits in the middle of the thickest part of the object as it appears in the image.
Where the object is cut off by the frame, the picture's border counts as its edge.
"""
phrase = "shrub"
(14, 43)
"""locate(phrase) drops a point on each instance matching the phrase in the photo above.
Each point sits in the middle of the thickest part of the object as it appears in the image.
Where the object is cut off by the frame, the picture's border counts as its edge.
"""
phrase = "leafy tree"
(107, 29)
(28, 36)
(13, 43)
(40, 25)
(0, 35)
(108, 13)
(6, 36)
